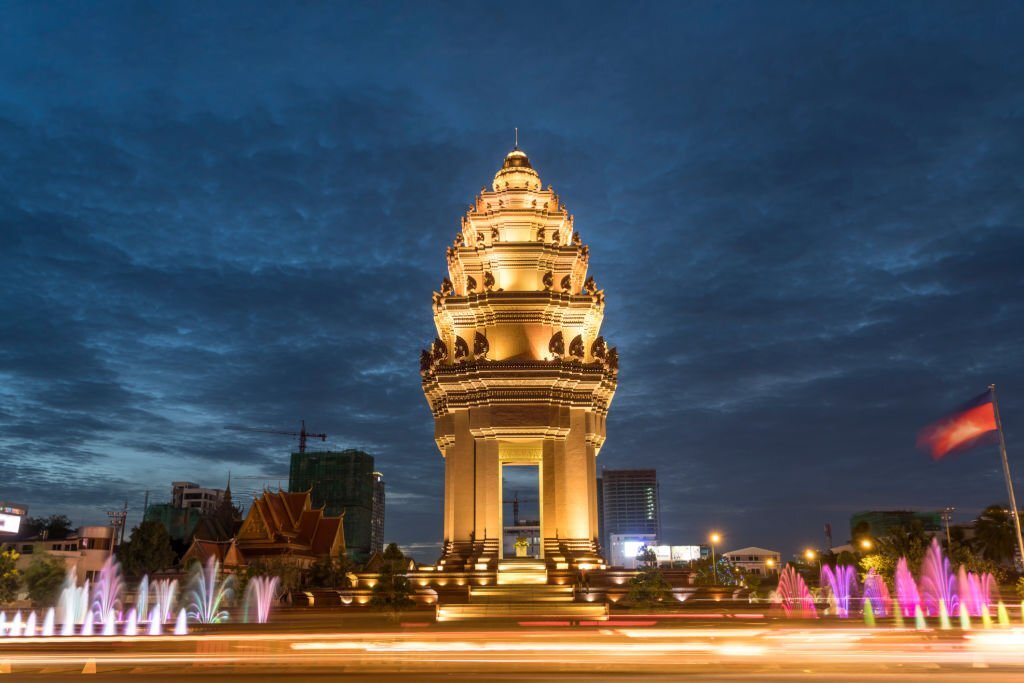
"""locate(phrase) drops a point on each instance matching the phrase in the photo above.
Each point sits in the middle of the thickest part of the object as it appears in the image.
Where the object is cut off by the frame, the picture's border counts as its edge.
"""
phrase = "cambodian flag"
(973, 424)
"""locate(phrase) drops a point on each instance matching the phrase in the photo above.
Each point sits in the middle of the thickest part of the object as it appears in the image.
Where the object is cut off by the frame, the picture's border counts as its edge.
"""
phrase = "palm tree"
(994, 534)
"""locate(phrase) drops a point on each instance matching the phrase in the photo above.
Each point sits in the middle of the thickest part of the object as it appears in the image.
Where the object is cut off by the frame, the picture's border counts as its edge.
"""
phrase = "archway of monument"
(520, 492)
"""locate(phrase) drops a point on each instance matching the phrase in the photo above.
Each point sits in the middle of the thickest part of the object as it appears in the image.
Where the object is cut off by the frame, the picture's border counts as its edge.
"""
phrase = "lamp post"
(810, 555)
(714, 538)
(866, 544)
(770, 565)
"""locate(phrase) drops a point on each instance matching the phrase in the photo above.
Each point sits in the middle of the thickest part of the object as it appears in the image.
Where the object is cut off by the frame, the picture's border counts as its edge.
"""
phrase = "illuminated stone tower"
(519, 374)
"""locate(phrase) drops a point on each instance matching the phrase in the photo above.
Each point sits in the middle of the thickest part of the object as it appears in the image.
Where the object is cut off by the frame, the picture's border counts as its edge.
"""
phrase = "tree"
(10, 576)
(44, 579)
(392, 590)
(648, 588)
(704, 572)
(57, 527)
(330, 572)
(994, 535)
(148, 550)
(646, 557)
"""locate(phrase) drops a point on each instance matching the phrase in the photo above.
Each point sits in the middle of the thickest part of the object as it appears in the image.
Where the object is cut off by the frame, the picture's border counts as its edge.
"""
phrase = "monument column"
(518, 360)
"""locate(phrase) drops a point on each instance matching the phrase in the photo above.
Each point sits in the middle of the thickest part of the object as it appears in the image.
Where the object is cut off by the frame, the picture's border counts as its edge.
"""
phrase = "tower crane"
(515, 506)
(302, 434)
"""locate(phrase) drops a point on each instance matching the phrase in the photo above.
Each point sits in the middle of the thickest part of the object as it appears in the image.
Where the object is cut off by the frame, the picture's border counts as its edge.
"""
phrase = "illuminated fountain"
(208, 595)
(260, 593)
(164, 593)
(795, 598)
(142, 598)
(938, 584)
(842, 585)
(106, 593)
(975, 592)
(876, 594)
(907, 596)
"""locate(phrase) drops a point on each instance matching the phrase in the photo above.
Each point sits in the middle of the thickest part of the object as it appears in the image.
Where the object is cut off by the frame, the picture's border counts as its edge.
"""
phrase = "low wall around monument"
(430, 588)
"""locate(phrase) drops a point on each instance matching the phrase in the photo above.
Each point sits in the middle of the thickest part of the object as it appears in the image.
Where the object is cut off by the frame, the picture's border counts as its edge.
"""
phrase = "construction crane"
(302, 434)
(515, 506)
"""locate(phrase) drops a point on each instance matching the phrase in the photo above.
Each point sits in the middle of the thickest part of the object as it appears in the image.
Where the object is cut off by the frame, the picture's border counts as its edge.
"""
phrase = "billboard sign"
(9, 524)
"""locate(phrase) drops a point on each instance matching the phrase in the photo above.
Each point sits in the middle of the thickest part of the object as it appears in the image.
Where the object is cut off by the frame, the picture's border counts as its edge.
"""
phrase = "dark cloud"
(807, 219)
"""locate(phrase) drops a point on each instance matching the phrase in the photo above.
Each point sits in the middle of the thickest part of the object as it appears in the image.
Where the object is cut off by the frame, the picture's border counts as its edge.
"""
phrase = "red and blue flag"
(973, 424)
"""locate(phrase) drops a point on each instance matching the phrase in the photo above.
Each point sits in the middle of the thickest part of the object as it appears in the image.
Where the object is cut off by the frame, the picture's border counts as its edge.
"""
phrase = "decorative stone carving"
(488, 280)
(461, 348)
(479, 239)
(576, 347)
(599, 349)
(439, 350)
(585, 252)
(480, 345)
(426, 362)
(548, 280)
(447, 288)
(460, 240)
(566, 283)
(613, 360)
(576, 239)
(557, 344)
(554, 237)
(495, 234)
(590, 287)
(470, 283)
(540, 234)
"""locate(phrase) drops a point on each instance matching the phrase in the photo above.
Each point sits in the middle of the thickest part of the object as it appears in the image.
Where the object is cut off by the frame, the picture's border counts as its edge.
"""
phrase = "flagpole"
(1006, 472)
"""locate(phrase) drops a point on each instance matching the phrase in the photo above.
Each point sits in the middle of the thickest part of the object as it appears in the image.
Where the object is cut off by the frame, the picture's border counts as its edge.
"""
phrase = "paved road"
(624, 650)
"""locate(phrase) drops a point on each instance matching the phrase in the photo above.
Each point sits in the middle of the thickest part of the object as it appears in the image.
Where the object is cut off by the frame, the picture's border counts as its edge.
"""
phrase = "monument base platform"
(521, 591)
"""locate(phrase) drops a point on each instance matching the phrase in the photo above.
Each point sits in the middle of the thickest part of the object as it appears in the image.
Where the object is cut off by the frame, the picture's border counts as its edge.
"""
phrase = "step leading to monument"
(522, 571)
(523, 593)
(506, 610)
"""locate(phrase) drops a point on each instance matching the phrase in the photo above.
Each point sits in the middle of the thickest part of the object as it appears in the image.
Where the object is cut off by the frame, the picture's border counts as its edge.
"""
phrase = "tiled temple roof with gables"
(282, 522)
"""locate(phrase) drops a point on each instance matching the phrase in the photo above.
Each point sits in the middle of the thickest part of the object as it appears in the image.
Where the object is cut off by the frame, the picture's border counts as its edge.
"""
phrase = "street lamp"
(715, 538)
(809, 555)
(770, 565)
(866, 544)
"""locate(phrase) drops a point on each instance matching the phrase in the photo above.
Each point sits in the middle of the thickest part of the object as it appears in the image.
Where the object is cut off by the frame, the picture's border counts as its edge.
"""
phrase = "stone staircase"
(522, 591)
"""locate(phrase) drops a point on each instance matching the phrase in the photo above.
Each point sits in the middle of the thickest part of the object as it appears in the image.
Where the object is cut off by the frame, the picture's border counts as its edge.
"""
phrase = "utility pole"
(947, 515)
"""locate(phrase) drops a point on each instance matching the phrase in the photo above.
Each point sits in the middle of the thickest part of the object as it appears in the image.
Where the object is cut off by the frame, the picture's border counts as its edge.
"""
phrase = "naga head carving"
(576, 347)
(480, 345)
(557, 344)
(439, 350)
(461, 348)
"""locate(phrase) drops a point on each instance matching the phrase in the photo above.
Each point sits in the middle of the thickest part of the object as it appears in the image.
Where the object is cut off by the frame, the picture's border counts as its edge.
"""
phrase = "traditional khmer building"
(285, 525)
(519, 373)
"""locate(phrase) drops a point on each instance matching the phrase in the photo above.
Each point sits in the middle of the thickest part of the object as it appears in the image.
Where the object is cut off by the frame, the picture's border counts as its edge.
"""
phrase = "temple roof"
(288, 519)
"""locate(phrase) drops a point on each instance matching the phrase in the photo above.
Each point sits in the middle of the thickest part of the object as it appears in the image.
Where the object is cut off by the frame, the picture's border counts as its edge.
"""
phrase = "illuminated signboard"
(9, 524)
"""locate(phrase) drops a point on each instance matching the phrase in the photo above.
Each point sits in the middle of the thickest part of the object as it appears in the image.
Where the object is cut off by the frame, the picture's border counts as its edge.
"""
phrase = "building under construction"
(344, 482)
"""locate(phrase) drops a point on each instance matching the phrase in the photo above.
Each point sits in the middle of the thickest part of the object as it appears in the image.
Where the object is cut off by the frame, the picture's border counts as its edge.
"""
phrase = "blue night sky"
(808, 219)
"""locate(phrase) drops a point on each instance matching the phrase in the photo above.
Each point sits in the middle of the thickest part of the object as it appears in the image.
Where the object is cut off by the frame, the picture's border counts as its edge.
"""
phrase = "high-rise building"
(343, 483)
(377, 515)
(629, 508)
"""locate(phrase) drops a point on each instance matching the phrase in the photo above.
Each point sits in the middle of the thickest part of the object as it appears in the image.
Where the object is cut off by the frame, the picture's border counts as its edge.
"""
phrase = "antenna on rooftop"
(517, 139)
